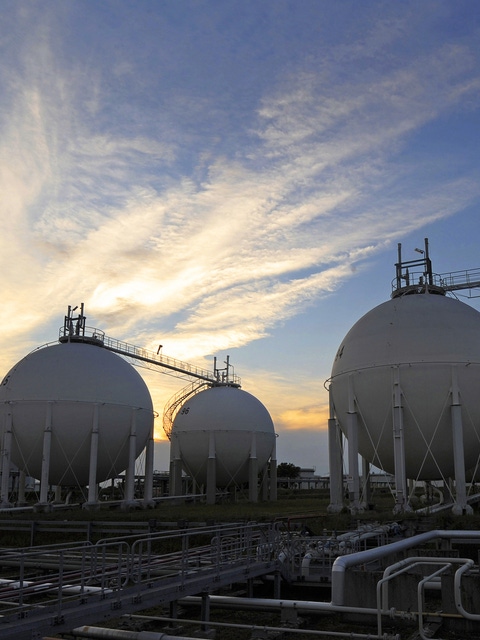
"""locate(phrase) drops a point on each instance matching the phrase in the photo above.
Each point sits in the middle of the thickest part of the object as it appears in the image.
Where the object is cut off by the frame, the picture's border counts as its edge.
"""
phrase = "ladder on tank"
(176, 401)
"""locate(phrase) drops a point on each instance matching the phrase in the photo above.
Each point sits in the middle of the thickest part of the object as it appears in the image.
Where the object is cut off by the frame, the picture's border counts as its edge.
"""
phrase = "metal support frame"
(401, 492)
(47, 445)
(352, 435)
(273, 473)
(253, 470)
(211, 469)
(149, 465)
(335, 455)
(92, 500)
(366, 488)
(6, 453)
(460, 506)
(129, 499)
(175, 474)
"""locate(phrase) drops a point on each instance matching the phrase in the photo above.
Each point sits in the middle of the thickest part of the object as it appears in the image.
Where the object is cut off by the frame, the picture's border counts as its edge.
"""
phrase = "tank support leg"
(273, 473)
(264, 484)
(253, 470)
(460, 507)
(6, 452)
(211, 469)
(22, 479)
(45, 472)
(175, 480)
(129, 498)
(401, 493)
(92, 471)
(366, 488)
(149, 464)
(335, 455)
(353, 467)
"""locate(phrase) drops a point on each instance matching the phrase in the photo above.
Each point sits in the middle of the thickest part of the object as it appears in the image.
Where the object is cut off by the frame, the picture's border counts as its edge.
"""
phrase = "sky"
(232, 177)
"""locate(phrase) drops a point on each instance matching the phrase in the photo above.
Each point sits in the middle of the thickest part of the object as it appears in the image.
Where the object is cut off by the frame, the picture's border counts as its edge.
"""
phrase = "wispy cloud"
(215, 252)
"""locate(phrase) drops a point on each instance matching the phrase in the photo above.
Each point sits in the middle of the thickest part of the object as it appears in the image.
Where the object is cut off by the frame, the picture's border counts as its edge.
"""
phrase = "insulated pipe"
(342, 563)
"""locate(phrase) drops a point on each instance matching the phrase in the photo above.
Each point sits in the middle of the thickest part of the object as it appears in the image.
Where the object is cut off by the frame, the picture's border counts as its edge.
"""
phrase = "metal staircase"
(177, 400)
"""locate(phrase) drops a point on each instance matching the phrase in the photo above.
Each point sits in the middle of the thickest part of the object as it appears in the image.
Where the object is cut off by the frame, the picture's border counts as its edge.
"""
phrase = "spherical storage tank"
(225, 422)
(424, 345)
(73, 386)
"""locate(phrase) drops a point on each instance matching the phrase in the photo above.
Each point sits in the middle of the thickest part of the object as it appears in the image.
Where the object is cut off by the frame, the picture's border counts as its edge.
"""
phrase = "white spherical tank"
(73, 386)
(226, 422)
(425, 345)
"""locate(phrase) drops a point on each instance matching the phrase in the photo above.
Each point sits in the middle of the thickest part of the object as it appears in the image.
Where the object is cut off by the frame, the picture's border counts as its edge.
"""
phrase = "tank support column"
(149, 463)
(6, 452)
(253, 470)
(45, 472)
(366, 487)
(352, 435)
(335, 460)
(211, 469)
(273, 472)
(22, 479)
(129, 498)
(460, 507)
(175, 479)
(92, 501)
(401, 494)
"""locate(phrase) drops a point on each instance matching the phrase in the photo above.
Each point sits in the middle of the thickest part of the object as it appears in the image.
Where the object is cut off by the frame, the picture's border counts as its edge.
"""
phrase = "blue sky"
(232, 178)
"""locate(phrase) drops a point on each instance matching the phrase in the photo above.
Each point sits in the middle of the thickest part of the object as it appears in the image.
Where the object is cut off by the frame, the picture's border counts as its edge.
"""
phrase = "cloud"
(213, 249)
(303, 418)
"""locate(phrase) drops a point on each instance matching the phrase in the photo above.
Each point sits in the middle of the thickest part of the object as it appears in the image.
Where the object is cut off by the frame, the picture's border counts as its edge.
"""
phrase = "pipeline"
(99, 633)
(268, 604)
(458, 595)
(276, 630)
(342, 563)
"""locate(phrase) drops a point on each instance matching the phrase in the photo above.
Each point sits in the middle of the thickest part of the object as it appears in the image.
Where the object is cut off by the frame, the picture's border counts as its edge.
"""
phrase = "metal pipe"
(264, 628)
(458, 594)
(120, 634)
(408, 563)
(421, 600)
(342, 563)
(403, 566)
(264, 604)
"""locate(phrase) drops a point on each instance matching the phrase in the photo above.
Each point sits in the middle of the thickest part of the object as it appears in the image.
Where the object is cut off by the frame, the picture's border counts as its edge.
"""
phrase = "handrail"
(450, 281)
(91, 335)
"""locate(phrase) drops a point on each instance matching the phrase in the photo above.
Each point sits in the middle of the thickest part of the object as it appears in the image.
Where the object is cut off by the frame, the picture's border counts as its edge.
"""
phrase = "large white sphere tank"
(81, 385)
(230, 420)
(428, 341)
